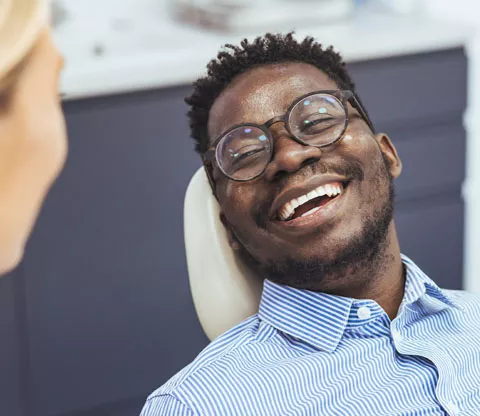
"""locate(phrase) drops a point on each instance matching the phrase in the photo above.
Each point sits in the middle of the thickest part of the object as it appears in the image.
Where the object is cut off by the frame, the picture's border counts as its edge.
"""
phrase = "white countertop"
(152, 51)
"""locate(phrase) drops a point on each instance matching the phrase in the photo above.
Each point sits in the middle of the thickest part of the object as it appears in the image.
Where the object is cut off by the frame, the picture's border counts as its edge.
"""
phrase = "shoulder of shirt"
(230, 341)
(467, 301)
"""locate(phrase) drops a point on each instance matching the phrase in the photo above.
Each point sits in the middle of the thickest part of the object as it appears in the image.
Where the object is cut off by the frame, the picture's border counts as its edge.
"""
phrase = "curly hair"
(264, 50)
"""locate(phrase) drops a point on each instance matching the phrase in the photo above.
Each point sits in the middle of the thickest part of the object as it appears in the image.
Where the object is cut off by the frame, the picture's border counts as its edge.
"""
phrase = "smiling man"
(347, 325)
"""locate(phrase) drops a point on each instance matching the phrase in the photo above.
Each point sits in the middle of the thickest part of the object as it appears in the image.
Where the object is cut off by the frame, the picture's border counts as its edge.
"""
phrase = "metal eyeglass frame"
(344, 96)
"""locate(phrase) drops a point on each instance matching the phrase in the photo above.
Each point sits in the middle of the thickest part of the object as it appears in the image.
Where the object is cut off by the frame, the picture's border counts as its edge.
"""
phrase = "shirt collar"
(418, 284)
(321, 319)
(316, 318)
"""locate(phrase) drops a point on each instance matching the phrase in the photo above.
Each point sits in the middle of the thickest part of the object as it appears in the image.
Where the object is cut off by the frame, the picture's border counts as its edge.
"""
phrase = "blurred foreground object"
(32, 129)
(240, 15)
(20, 24)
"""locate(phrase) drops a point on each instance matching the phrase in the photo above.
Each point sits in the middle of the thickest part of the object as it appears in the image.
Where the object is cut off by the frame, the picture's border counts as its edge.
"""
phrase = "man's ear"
(390, 153)
(232, 239)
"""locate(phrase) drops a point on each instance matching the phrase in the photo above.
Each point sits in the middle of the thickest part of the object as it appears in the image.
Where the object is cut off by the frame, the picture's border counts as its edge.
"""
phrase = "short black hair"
(267, 49)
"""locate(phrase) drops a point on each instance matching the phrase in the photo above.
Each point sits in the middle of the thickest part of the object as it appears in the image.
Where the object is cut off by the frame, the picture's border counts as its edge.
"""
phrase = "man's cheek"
(237, 211)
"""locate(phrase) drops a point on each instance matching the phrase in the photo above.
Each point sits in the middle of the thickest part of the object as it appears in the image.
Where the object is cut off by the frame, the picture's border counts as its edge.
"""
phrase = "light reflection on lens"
(244, 152)
(319, 124)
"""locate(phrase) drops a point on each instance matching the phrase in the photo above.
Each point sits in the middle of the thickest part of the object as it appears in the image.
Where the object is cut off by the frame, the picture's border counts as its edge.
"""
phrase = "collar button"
(364, 312)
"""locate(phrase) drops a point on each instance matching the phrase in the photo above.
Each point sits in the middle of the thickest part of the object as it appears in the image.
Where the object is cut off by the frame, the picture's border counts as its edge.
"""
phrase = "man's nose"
(288, 155)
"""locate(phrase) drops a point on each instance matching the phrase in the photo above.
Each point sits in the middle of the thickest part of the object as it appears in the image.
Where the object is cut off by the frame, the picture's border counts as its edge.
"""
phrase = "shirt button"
(453, 409)
(364, 312)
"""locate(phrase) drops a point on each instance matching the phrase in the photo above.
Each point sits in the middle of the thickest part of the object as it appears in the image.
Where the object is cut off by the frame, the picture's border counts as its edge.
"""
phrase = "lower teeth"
(310, 212)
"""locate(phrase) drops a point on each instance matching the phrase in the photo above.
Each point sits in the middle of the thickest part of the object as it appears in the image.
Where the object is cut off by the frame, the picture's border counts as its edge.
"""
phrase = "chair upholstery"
(224, 290)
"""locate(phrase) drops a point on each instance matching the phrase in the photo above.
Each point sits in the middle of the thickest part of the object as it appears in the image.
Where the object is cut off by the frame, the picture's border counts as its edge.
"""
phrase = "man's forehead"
(264, 92)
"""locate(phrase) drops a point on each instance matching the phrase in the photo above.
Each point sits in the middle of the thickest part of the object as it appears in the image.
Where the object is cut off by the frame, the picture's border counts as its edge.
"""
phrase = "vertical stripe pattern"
(308, 353)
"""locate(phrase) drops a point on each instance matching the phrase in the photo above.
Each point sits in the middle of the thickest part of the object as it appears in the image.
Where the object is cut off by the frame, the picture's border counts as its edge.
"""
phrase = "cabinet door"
(413, 90)
(109, 307)
(433, 160)
(432, 235)
(11, 368)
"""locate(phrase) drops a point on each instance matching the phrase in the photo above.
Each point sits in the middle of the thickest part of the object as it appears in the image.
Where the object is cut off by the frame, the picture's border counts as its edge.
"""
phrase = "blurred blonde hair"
(20, 24)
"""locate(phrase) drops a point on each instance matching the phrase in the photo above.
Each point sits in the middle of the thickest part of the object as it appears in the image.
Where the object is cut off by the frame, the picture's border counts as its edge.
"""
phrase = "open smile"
(312, 208)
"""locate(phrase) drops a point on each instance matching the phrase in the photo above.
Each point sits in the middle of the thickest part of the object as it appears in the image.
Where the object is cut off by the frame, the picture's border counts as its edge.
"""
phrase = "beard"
(356, 265)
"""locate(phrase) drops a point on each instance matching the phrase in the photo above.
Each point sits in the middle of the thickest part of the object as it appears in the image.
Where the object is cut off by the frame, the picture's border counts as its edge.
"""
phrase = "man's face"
(330, 234)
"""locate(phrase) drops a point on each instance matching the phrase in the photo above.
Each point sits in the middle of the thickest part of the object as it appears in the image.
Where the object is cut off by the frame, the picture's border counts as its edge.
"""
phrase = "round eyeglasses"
(316, 119)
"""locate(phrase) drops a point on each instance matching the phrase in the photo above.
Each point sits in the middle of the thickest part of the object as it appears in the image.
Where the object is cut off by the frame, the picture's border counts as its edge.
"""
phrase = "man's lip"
(301, 189)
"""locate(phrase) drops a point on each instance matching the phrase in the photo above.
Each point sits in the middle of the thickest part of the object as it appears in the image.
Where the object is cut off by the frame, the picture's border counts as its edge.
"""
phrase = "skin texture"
(33, 147)
(355, 253)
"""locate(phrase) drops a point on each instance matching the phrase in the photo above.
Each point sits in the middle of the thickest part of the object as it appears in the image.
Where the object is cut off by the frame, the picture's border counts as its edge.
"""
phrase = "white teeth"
(290, 206)
(303, 199)
(288, 209)
(313, 194)
(310, 211)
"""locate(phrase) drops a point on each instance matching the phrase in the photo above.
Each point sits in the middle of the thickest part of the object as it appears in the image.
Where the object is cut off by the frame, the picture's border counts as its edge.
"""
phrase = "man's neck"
(374, 273)
(382, 279)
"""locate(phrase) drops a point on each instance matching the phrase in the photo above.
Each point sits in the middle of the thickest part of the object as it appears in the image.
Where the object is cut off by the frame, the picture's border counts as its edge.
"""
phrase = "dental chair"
(224, 290)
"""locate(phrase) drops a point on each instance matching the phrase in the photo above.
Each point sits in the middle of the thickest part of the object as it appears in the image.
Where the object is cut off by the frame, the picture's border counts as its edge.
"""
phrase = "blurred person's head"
(306, 198)
(33, 143)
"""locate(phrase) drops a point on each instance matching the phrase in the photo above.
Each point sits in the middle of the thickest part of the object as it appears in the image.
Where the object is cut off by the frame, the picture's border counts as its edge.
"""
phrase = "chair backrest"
(224, 290)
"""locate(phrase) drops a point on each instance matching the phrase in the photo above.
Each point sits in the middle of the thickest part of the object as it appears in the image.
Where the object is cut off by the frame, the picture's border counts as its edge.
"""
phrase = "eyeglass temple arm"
(207, 165)
(350, 96)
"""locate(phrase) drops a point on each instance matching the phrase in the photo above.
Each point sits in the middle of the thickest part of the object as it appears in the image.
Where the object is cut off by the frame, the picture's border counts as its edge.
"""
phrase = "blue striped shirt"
(308, 353)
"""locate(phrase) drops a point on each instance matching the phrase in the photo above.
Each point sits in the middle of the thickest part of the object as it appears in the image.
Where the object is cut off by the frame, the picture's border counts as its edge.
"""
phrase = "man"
(346, 325)
(33, 140)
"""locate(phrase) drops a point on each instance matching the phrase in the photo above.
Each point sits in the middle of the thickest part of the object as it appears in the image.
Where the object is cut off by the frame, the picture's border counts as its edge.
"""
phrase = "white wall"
(468, 11)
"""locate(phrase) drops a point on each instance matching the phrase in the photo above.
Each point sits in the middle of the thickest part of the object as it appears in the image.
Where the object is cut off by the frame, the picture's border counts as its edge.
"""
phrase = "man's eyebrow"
(225, 129)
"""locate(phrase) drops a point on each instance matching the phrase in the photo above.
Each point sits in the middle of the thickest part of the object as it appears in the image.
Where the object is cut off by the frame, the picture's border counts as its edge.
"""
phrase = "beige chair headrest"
(20, 23)
(224, 290)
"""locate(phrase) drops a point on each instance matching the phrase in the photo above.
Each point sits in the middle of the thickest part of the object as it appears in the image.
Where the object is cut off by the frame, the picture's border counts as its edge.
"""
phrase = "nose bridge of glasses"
(275, 120)
(280, 131)
(289, 155)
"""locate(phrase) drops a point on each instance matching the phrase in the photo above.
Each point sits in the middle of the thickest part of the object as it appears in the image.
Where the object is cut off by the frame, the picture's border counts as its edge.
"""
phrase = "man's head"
(321, 208)
(33, 142)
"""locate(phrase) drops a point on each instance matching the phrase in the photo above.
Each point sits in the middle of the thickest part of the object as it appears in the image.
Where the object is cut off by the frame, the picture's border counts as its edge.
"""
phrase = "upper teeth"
(332, 189)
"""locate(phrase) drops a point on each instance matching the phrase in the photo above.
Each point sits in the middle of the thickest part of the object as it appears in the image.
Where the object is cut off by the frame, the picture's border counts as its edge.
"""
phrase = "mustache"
(350, 169)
